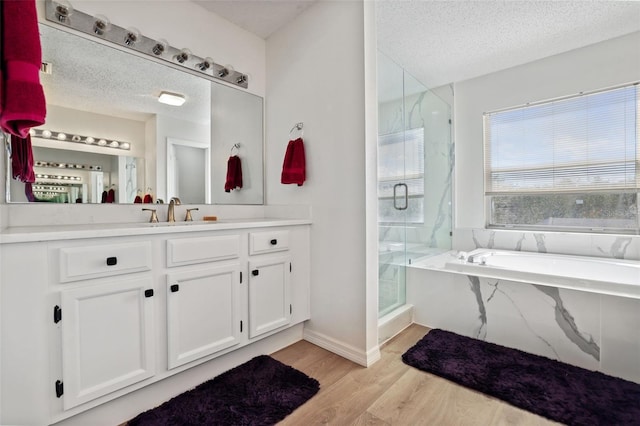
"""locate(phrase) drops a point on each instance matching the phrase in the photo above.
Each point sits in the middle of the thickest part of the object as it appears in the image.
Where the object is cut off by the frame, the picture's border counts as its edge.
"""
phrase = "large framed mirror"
(116, 135)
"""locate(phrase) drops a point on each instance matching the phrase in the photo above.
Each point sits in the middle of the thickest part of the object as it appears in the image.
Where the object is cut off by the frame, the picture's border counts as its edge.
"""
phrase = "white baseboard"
(347, 351)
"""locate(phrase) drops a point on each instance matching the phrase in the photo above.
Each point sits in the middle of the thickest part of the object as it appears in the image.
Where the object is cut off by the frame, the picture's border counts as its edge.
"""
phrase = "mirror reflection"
(103, 99)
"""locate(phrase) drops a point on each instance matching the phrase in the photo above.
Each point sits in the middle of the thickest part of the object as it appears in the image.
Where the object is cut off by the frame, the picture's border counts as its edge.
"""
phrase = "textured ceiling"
(440, 42)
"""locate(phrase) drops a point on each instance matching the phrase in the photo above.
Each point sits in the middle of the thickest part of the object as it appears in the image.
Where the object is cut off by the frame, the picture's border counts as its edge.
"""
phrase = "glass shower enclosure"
(415, 165)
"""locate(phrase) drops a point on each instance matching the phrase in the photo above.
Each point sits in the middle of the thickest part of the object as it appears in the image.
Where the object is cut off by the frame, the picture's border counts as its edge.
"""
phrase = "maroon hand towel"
(294, 166)
(22, 96)
(22, 159)
(234, 174)
(111, 196)
(137, 200)
(148, 199)
(105, 195)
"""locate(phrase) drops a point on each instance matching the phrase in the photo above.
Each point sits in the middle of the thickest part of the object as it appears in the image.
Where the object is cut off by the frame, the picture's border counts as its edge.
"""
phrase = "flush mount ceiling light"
(169, 98)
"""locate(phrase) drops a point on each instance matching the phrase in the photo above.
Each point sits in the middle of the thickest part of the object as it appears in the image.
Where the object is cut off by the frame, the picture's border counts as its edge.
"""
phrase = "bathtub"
(592, 274)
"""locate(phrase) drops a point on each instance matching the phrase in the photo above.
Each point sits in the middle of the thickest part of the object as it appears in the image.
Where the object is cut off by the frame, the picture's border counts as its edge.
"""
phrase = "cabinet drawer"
(187, 251)
(269, 241)
(79, 263)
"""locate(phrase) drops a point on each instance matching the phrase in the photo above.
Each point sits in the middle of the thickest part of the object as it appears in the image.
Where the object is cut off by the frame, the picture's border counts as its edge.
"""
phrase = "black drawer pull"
(274, 242)
(148, 293)
(255, 272)
(174, 288)
(112, 260)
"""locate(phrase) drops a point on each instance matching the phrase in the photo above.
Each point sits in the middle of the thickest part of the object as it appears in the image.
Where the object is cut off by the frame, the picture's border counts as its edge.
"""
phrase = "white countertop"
(23, 234)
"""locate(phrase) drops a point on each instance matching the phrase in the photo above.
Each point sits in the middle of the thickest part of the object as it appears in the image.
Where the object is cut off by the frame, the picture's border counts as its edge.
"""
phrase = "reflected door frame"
(171, 165)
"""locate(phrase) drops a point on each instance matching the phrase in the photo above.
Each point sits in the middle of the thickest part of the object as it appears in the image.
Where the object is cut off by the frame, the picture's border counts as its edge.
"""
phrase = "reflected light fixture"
(160, 46)
(174, 99)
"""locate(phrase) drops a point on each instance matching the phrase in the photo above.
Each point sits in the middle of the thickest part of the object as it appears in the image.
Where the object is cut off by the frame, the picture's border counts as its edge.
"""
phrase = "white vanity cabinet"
(269, 281)
(203, 302)
(105, 319)
(108, 339)
(89, 318)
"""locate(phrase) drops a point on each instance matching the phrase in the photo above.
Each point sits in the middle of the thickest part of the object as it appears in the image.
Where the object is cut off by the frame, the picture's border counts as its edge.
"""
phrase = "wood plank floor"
(391, 392)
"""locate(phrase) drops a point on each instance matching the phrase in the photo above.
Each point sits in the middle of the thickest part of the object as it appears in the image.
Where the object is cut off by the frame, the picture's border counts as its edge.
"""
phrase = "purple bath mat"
(261, 391)
(558, 391)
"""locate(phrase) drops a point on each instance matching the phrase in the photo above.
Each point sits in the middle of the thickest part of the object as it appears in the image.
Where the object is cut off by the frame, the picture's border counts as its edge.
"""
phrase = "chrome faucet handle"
(188, 217)
(154, 216)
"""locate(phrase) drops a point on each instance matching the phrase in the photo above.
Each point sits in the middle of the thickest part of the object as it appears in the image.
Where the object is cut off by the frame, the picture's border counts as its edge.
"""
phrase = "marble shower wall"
(593, 331)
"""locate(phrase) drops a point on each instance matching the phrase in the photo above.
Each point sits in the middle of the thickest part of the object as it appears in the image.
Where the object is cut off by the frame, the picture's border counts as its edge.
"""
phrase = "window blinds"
(589, 142)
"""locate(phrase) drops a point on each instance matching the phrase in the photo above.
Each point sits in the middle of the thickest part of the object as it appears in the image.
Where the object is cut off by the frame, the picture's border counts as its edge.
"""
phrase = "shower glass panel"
(414, 178)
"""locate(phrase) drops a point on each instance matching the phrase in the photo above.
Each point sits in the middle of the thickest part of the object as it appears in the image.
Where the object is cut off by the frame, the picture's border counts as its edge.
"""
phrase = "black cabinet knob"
(148, 293)
(112, 260)
(274, 242)
(255, 272)
(174, 288)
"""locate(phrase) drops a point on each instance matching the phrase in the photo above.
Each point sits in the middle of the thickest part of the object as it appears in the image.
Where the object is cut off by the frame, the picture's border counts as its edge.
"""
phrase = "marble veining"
(444, 210)
(618, 249)
(568, 325)
(540, 243)
(474, 285)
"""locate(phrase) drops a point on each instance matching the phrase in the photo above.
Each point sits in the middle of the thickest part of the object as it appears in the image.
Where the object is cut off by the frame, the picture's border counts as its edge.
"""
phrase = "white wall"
(593, 67)
(315, 68)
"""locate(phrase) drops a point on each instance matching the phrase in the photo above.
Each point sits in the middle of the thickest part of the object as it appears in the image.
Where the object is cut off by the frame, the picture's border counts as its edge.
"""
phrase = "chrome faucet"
(171, 216)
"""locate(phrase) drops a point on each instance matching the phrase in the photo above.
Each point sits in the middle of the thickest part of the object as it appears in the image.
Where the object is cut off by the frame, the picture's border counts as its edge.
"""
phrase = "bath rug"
(261, 391)
(552, 389)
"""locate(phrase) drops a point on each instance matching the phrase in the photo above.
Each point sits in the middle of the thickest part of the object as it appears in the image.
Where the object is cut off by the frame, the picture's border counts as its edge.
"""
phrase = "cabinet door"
(269, 294)
(107, 338)
(203, 312)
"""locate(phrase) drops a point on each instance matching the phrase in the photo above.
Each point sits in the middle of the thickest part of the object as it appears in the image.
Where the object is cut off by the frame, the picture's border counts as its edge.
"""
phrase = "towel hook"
(235, 146)
(297, 126)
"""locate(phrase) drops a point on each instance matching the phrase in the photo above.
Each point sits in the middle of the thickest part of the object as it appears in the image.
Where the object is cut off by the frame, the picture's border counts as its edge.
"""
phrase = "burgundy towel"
(105, 195)
(22, 96)
(294, 166)
(148, 199)
(234, 174)
(137, 200)
(111, 196)
(22, 159)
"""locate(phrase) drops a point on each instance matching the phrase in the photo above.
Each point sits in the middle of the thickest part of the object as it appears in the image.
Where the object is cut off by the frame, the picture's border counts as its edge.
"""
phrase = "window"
(572, 163)
(401, 159)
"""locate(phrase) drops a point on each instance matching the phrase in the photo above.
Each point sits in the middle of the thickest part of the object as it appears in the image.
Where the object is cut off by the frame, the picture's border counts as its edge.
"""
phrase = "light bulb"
(183, 56)
(102, 142)
(32, 132)
(63, 10)
(62, 137)
(89, 140)
(132, 36)
(205, 64)
(114, 144)
(125, 145)
(76, 138)
(242, 79)
(46, 134)
(101, 24)
(160, 46)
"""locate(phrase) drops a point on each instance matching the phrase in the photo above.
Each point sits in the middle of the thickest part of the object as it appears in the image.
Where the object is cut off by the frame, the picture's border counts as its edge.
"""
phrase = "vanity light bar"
(67, 166)
(87, 140)
(61, 12)
(58, 177)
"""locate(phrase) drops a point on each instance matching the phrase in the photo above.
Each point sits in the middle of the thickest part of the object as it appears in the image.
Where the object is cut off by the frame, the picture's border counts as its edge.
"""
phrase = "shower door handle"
(395, 196)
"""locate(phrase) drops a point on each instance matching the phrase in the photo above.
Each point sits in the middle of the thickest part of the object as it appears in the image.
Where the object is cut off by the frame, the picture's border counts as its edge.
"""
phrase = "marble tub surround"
(599, 245)
(593, 331)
